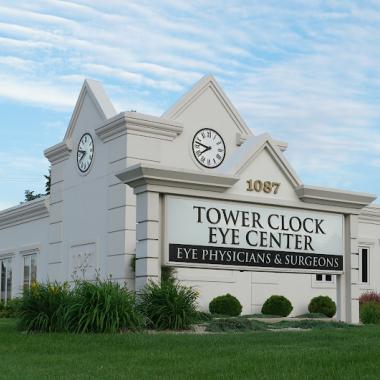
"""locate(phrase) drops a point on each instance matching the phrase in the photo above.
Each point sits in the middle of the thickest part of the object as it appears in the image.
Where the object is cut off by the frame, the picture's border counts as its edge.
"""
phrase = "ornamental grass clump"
(324, 305)
(10, 309)
(42, 307)
(101, 306)
(370, 312)
(369, 297)
(277, 305)
(168, 305)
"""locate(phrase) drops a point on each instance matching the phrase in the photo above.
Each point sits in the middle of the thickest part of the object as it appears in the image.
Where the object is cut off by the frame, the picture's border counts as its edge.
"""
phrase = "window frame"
(323, 283)
(25, 256)
(9, 259)
(360, 264)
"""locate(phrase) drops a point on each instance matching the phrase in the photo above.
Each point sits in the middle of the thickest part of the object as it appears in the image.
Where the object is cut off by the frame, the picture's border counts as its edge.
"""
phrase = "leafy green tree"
(30, 195)
(48, 182)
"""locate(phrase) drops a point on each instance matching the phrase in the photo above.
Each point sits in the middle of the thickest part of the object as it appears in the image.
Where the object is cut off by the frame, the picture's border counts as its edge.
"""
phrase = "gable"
(258, 161)
(204, 106)
(93, 105)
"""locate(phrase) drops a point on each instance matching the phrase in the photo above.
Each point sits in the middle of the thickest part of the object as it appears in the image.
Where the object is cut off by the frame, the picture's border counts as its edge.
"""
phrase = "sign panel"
(248, 236)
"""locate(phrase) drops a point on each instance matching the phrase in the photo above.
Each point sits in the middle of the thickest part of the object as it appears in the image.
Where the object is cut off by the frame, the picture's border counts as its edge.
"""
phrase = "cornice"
(133, 121)
(342, 198)
(370, 214)
(25, 212)
(148, 174)
(58, 152)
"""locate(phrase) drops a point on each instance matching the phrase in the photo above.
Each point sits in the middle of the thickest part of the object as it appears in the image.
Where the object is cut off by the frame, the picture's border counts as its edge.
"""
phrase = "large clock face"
(209, 148)
(85, 152)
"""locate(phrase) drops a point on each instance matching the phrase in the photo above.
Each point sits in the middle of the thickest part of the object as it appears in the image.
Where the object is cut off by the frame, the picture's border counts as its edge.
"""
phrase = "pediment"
(260, 159)
(92, 101)
(206, 104)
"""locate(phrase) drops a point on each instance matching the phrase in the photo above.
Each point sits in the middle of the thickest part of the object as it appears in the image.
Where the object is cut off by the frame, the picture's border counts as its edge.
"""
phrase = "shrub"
(370, 312)
(168, 274)
(277, 305)
(101, 306)
(369, 297)
(225, 305)
(168, 305)
(42, 307)
(324, 305)
(10, 309)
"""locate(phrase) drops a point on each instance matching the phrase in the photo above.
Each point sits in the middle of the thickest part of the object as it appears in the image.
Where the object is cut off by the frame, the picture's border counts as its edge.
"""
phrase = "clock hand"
(83, 152)
(205, 146)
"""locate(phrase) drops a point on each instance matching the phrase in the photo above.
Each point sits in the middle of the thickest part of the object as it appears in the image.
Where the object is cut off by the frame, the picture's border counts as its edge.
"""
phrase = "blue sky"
(307, 72)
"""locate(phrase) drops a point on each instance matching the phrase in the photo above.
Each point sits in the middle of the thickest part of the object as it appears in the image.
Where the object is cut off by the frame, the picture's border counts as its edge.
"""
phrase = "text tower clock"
(85, 153)
(209, 148)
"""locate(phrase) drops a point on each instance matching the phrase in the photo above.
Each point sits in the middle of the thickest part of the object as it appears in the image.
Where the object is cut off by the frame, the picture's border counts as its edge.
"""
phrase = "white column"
(347, 283)
(148, 262)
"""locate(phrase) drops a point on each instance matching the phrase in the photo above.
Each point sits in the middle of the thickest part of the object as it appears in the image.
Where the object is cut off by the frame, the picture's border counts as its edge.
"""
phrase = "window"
(323, 277)
(30, 270)
(364, 265)
(6, 279)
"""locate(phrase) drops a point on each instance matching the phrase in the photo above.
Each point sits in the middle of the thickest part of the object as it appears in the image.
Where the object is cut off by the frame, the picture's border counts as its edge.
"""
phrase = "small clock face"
(209, 148)
(85, 152)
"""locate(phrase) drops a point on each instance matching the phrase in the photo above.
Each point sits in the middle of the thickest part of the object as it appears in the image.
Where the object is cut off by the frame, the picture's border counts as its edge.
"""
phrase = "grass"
(345, 353)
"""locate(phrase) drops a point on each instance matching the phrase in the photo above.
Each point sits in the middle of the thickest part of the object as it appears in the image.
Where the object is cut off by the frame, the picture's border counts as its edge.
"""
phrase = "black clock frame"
(221, 138)
(93, 152)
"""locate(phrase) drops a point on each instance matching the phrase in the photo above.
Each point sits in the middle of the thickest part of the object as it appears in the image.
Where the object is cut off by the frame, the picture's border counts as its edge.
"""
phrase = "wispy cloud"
(305, 71)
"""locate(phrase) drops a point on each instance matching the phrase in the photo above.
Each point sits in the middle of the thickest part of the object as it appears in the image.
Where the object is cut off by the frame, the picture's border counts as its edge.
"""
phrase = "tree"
(48, 182)
(29, 194)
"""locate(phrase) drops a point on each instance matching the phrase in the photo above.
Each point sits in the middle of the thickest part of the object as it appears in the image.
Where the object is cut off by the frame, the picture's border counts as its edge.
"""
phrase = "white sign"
(240, 234)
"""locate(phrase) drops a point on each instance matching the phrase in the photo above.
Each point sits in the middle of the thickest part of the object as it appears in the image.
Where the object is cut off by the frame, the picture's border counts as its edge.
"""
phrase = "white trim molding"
(370, 214)
(326, 196)
(125, 122)
(58, 152)
(25, 212)
(148, 174)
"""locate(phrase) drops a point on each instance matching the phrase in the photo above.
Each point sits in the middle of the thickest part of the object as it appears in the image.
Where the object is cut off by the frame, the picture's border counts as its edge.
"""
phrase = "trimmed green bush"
(168, 305)
(42, 307)
(277, 305)
(370, 312)
(101, 306)
(225, 305)
(324, 305)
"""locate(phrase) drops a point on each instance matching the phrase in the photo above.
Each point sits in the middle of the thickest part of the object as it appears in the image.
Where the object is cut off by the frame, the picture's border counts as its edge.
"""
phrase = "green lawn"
(352, 353)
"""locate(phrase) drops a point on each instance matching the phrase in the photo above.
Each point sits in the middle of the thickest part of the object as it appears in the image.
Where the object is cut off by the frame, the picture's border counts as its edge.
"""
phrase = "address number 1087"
(265, 186)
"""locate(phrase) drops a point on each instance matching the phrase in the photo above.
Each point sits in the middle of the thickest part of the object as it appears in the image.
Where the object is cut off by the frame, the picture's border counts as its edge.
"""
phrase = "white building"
(198, 183)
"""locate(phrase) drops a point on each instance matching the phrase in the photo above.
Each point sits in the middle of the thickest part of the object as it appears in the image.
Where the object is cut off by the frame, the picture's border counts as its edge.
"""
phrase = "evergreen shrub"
(225, 305)
(277, 305)
(324, 305)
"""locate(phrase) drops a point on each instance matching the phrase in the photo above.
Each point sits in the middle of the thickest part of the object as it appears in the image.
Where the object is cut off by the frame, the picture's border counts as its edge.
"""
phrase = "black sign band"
(199, 254)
